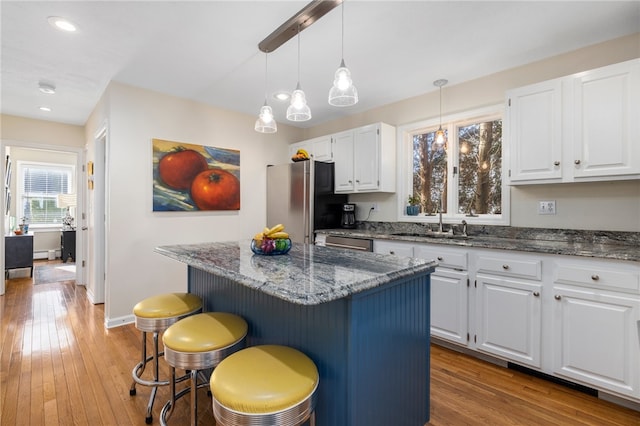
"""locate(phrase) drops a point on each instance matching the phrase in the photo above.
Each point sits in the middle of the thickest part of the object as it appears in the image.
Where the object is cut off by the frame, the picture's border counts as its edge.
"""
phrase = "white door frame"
(96, 291)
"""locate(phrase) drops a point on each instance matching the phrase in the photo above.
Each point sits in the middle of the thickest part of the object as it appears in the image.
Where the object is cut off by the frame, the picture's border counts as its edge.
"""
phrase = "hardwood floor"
(60, 366)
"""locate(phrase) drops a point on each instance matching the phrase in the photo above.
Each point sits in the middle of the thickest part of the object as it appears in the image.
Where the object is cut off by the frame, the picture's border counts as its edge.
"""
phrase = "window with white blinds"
(38, 187)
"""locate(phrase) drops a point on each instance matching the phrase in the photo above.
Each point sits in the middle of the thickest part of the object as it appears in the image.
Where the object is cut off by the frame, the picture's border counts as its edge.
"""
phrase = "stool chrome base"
(293, 416)
(154, 325)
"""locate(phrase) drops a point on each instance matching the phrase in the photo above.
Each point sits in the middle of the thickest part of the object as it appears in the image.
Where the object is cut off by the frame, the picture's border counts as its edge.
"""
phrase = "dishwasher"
(351, 243)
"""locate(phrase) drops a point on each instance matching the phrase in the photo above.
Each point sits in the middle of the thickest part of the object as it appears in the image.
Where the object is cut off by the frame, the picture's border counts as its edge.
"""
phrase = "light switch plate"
(547, 207)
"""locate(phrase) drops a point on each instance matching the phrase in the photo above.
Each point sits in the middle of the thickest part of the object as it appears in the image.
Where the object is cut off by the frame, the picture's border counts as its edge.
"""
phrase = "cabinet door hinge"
(475, 338)
(83, 263)
(475, 283)
(455, 170)
(468, 337)
(378, 131)
(509, 101)
(467, 282)
(509, 172)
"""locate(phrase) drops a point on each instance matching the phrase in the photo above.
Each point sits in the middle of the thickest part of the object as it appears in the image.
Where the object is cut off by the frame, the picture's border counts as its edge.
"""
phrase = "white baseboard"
(44, 254)
(118, 322)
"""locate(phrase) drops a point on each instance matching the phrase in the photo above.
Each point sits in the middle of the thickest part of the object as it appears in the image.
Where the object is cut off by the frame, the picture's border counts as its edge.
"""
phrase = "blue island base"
(371, 348)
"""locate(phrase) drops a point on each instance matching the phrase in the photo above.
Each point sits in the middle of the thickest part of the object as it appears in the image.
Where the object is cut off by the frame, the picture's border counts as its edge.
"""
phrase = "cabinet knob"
(357, 180)
(556, 163)
(536, 293)
(576, 162)
(557, 297)
(595, 277)
(350, 181)
(440, 258)
(392, 252)
(505, 266)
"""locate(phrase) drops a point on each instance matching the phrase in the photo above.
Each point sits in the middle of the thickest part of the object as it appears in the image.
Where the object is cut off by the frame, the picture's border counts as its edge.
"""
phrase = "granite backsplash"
(511, 232)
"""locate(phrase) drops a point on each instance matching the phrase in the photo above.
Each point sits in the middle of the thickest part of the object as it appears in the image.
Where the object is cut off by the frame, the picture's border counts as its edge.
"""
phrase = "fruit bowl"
(270, 247)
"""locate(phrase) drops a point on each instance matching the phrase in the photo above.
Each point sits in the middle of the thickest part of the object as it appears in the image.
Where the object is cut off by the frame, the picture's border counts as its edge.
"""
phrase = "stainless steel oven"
(351, 243)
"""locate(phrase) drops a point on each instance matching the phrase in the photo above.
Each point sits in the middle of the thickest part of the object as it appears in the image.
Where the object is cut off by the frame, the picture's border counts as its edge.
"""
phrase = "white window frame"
(405, 167)
(20, 166)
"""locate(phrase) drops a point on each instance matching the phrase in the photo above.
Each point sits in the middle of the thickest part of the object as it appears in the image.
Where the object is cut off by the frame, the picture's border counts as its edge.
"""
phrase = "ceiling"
(208, 50)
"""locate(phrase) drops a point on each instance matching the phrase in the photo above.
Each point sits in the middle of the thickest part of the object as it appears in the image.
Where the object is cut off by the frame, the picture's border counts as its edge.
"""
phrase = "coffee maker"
(348, 216)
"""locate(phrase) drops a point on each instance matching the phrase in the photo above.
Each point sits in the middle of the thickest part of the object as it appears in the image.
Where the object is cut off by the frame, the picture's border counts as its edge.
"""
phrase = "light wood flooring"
(60, 366)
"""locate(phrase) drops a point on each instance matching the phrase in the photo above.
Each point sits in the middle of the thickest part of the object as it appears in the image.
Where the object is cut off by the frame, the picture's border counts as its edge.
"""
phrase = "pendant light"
(343, 93)
(440, 138)
(265, 122)
(298, 109)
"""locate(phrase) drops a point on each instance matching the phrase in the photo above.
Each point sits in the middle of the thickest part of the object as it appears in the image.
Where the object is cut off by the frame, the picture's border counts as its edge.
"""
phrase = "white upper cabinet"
(606, 130)
(343, 149)
(365, 159)
(583, 127)
(319, 149)
(535, 131)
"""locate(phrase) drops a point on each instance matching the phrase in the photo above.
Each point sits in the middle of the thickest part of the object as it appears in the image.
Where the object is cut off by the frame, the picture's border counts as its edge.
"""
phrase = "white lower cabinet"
(450, 305)
(596, 325)
(509, 318)
(449, 292)
(568, 316)
(596, 339)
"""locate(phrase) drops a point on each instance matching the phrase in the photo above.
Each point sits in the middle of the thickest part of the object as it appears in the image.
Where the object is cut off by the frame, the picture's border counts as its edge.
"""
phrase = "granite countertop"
(605, 245)
(307, 275)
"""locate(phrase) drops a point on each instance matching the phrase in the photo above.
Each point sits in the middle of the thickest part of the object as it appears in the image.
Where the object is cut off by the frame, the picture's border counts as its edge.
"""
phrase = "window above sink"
(466, 175)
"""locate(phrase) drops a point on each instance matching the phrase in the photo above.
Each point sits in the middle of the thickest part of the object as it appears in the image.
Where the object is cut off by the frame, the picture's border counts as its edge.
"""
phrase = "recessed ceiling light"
(282, 96)
(62, 24)
(47, 88)
(44, 108)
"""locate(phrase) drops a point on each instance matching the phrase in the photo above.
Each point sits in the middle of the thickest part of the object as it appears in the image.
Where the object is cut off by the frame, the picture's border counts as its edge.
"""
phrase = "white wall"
(136, 116)
(612, 206)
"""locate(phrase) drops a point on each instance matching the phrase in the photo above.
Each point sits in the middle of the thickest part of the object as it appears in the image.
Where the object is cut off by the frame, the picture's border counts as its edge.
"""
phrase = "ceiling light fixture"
(298, 22)
(62, 24)
(282, 96)
(343, 93)
(265, 122)
(440, 137)
(298, 109)
(47, 88)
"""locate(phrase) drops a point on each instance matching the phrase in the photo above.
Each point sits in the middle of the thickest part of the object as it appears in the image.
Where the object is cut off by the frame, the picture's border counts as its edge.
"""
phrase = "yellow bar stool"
(197, 343)
(265, 385)
(153, 315)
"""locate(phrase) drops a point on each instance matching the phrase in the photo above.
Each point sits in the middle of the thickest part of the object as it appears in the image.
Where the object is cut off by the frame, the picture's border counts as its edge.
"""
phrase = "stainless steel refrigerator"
(300, 196)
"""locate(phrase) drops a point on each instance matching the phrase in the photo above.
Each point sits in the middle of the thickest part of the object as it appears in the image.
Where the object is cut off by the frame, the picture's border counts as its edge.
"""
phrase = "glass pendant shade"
(298, 109)
(343, 93)
(440, 138)
(265, 122)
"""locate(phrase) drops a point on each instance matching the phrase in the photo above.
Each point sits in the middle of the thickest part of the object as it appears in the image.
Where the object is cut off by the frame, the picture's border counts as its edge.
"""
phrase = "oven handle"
(345, 246)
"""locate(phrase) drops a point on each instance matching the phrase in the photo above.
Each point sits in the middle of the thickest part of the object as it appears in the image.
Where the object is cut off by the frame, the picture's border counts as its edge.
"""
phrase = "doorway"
(45, 239)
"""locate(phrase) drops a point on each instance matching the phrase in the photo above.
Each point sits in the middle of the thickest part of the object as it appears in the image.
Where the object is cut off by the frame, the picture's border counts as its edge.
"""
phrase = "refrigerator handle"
(308, 177)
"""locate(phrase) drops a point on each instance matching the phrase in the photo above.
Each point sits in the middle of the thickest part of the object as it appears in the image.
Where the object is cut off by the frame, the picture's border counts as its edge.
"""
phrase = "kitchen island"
(362, 317)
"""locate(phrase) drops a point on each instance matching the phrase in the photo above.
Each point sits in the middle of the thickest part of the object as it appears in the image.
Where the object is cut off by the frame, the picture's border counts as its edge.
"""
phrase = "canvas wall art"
(189, 177)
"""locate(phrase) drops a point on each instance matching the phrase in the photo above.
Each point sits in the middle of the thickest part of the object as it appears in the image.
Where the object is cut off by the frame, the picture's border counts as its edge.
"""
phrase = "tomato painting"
(188, 177)
(178, 168)
(216, 189)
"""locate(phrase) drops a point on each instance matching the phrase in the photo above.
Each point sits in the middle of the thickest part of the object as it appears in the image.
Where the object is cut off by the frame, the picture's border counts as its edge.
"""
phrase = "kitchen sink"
(432, 234)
